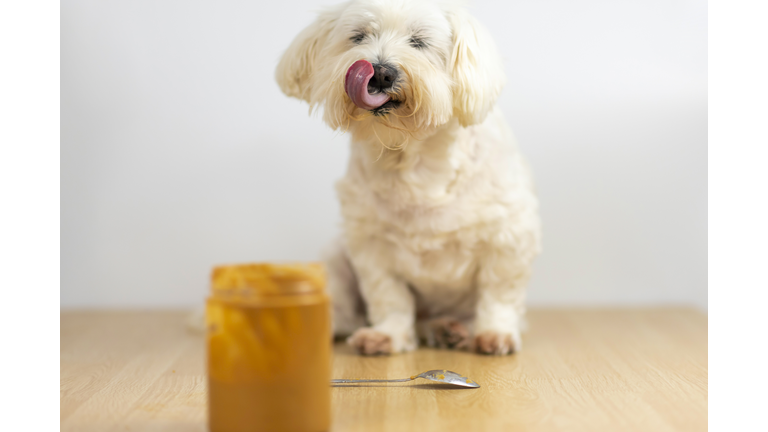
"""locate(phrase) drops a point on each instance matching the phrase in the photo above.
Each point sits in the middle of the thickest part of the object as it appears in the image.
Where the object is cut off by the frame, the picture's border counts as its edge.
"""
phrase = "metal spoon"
(443, 376)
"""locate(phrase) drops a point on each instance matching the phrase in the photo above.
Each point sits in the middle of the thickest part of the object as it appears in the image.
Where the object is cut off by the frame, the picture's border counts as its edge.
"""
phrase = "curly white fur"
(440, 217)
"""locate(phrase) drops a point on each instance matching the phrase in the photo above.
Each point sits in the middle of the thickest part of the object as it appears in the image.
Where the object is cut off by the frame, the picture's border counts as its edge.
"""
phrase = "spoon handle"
(344, 381)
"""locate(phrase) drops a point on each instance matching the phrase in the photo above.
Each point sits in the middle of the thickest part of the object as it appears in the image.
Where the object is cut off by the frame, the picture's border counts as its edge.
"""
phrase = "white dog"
(441, 221)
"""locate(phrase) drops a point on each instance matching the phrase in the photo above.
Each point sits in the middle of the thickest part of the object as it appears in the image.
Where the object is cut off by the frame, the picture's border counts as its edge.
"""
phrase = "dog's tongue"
(356, 86)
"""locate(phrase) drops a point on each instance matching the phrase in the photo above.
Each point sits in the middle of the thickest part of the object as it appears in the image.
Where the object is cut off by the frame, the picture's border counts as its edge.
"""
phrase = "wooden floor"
(580, 370)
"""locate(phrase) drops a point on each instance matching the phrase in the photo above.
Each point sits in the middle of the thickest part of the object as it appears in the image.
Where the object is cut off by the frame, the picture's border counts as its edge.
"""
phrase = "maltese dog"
(440, 216)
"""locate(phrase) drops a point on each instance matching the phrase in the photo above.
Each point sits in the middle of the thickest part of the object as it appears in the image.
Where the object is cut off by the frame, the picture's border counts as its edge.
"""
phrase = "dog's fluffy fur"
(441, 221)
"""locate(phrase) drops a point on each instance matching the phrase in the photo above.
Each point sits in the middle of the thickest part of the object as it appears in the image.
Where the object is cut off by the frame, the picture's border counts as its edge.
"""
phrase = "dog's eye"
(357, 38)
(418, 42)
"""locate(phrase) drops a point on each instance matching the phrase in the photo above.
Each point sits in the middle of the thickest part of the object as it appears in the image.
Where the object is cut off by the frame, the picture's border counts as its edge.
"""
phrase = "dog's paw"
(368, 341)
(491, 342)
(450, 333)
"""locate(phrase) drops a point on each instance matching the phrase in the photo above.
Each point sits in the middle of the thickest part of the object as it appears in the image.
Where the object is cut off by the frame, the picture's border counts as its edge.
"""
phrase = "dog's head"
(409, 65)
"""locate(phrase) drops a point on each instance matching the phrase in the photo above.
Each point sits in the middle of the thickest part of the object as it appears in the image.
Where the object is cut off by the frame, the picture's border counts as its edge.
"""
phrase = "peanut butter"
(269, 348)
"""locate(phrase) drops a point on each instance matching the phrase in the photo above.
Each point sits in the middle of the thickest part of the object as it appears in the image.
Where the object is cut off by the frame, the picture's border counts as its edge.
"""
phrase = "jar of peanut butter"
(269, 349)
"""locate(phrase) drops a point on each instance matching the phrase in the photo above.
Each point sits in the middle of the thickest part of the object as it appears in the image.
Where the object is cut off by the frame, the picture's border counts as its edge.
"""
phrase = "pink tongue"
(356, 86)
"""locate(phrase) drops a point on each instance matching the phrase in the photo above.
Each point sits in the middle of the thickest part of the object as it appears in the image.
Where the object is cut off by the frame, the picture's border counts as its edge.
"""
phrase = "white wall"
(179, 152)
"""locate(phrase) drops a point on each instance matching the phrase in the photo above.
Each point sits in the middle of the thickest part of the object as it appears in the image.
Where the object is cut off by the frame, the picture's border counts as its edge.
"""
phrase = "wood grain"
(580, 370)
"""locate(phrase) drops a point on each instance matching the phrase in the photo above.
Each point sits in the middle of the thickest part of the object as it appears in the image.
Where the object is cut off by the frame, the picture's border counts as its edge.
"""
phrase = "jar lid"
(245, 281)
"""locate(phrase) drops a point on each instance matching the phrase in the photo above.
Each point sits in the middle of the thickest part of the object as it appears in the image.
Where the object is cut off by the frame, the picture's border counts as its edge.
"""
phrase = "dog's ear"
(294, 72)
(476, 67)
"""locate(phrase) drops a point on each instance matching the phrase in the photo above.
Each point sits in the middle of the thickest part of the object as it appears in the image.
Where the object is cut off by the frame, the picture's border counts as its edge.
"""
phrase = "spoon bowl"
(448, 377)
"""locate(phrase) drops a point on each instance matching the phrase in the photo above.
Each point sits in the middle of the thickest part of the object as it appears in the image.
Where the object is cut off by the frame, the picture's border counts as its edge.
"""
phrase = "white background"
(178, 151)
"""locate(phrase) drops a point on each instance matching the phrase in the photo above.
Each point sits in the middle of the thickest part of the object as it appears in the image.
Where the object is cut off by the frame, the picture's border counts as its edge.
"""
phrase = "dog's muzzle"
(366, 85)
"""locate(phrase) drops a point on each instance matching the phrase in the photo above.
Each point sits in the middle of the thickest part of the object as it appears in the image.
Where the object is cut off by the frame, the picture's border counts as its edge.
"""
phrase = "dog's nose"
(384, 77)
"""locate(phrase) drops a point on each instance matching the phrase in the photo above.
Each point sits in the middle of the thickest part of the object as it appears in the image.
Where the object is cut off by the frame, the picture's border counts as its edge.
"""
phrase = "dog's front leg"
(391, 312)
(501, 283)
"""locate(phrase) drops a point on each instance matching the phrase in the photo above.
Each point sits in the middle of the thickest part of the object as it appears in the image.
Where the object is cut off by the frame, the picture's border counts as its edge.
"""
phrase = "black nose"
(384, 77)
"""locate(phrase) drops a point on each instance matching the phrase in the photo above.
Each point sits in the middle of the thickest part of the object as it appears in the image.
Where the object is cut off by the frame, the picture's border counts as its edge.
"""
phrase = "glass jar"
(269, 349)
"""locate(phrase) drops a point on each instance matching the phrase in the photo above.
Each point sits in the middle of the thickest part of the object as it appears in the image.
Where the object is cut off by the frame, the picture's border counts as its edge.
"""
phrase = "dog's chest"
(428, 212)
(430, 245)
(440, 270)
